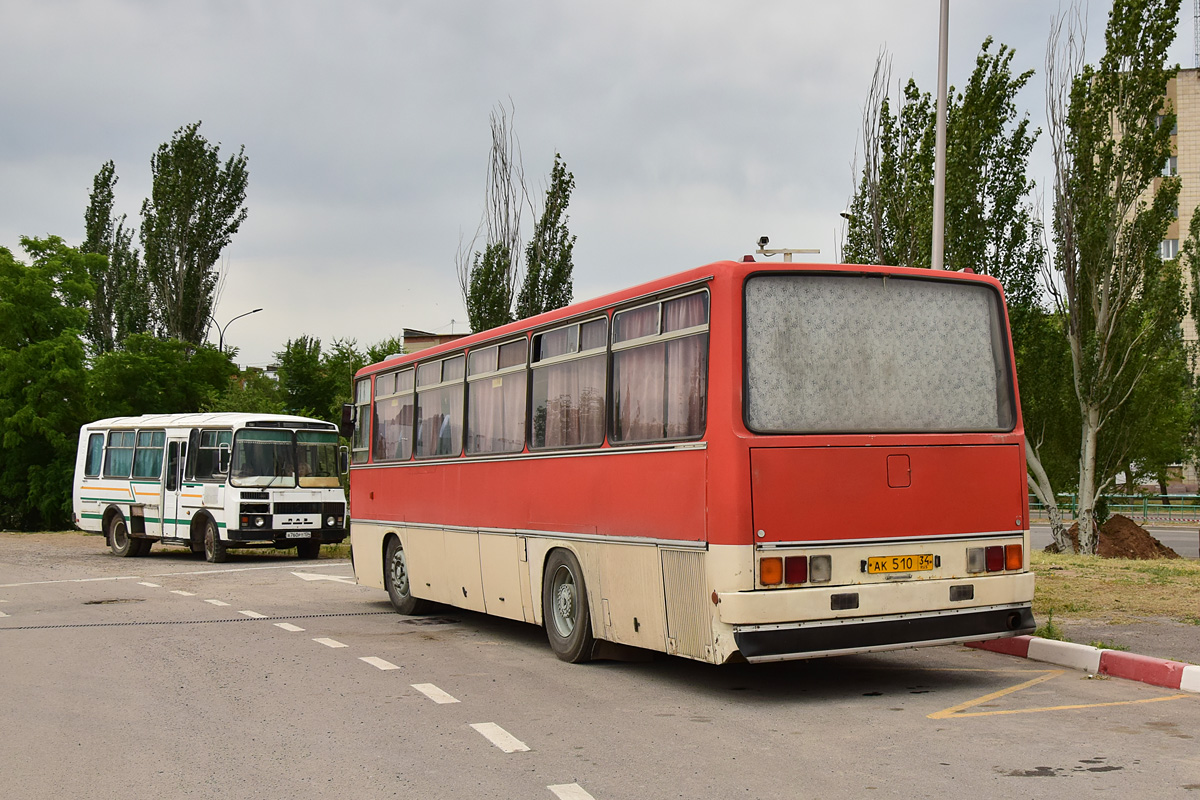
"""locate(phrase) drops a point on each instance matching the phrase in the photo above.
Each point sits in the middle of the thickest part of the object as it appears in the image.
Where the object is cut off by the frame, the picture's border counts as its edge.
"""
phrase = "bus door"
(173, 526)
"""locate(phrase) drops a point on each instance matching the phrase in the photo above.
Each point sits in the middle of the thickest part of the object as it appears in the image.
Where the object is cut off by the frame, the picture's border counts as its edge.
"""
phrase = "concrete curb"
(1118, 664)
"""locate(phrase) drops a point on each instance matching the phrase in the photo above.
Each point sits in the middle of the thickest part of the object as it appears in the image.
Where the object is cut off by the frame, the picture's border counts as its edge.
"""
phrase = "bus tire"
(308, 549)
(565, 608)
(396, 581)
(214, 549)
(119, 540)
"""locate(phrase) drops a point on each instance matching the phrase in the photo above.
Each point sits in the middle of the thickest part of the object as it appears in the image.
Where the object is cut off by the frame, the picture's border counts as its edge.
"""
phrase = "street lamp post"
(221, 330)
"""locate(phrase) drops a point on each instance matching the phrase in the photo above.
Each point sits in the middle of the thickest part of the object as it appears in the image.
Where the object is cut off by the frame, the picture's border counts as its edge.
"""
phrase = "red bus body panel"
(839, 493)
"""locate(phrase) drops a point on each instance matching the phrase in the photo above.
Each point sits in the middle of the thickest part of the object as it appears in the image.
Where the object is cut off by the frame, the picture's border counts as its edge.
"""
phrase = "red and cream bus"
(764, 461)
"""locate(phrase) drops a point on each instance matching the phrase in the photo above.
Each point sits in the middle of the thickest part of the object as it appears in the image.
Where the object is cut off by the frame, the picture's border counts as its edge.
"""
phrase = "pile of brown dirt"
(1121, 537)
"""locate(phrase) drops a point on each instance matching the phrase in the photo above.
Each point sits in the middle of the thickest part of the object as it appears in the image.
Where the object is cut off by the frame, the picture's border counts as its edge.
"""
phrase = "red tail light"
(795, 569)
(995, 558)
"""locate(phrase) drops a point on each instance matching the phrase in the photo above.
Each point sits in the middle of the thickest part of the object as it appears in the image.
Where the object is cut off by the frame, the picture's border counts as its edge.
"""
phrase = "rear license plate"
(880, 564)
(299, 535)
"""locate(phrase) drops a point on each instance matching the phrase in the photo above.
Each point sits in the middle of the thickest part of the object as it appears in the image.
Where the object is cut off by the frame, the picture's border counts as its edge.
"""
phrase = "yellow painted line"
(960, 710)
(192, 495)
(107, 489)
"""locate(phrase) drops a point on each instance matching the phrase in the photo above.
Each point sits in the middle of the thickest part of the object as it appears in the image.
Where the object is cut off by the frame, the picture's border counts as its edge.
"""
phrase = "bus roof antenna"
(787, 252)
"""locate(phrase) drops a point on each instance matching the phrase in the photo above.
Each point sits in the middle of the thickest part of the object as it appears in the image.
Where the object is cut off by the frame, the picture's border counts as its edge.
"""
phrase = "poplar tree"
(1120, 302)
(122, 303)
(195, 208)
(548, 265)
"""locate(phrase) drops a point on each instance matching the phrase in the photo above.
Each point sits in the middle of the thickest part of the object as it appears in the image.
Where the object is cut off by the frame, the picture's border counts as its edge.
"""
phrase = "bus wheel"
(214, 548)
(395, 580)
(565, 608)
(308, 549)
(119, 540)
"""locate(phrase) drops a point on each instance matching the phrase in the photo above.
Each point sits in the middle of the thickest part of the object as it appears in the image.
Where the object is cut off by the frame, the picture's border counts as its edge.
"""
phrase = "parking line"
(183, 593)
(500, 737)
(434, 693)
(217, 602)
(378, 662)
(570, 791)
(287, 626)
(2, 614)
(330, 642)
(151, 585)
(253, 614)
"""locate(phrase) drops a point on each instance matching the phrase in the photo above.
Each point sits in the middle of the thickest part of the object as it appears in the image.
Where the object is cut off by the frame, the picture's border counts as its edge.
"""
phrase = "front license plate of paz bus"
(881, 564)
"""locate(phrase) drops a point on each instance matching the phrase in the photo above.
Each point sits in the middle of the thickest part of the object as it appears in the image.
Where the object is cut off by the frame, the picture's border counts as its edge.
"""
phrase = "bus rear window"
(854, 353)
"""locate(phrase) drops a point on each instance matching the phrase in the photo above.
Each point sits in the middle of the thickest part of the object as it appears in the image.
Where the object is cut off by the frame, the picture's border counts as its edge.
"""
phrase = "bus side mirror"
(344, 459)
(347, 427)
(223, 458)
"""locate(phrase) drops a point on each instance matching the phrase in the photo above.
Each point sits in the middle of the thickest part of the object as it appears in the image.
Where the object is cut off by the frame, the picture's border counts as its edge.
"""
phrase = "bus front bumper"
(287, 538)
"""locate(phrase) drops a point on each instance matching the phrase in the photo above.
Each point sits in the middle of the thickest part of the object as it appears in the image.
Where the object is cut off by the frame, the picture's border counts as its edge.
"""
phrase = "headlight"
(259, 522)
(330, 522)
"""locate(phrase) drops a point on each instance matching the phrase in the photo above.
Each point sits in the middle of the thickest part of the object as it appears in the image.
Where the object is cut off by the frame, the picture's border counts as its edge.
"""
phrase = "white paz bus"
(211, 482)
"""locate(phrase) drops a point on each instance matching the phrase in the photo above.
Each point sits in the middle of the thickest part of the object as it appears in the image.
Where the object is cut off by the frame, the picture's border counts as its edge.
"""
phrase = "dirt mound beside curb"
(1121, 537)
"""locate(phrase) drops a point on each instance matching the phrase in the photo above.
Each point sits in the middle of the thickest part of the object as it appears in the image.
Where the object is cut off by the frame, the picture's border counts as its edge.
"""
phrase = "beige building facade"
(1183, 92)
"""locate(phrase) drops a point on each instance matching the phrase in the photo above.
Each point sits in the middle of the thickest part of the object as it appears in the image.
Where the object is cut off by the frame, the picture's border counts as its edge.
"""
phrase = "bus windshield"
(851, 353)
(263, 458)
(317, 457)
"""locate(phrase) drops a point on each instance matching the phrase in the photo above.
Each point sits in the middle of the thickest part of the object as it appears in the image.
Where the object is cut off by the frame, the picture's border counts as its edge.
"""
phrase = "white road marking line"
(151, 585)
(71, 580)
(434, 693)
(182, 592)
(378, 662)
(330, 642)
(2, 614)
(570, 791)
(253, 614)
(500, 737)
(217, 602)
(339, 578)
(333, 563)
(287, 626)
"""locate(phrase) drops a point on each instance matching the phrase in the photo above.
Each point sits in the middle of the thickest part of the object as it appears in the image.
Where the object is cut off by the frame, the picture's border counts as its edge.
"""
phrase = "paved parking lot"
(269, 676)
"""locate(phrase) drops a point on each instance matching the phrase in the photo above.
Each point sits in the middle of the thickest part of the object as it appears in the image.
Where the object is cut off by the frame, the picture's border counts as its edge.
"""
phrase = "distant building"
(415, 340)
(1183, 93)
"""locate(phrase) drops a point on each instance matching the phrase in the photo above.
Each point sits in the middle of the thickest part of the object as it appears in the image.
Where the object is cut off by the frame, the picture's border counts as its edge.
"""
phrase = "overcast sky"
(692, 128)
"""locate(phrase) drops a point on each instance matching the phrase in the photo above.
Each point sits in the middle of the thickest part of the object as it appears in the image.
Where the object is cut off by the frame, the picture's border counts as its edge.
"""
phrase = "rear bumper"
(836, 637)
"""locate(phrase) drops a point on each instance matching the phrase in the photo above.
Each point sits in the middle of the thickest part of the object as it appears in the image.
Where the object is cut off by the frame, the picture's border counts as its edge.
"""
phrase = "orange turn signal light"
(770, 571)
(1014, 558)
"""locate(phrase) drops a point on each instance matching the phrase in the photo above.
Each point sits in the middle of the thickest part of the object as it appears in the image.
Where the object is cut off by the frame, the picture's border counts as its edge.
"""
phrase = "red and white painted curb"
(1098, 661)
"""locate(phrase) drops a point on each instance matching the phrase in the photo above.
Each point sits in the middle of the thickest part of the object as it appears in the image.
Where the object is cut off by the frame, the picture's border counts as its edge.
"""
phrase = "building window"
(1169, 249)
(1171, 167)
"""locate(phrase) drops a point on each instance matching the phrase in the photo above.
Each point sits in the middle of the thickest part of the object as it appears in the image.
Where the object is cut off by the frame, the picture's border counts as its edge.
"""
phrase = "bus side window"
(95, 449)
(189, 468)
(118, 457)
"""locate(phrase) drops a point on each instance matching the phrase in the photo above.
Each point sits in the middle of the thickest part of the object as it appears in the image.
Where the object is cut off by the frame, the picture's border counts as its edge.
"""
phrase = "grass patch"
(1115, 588)
(1100, 644)
(1048, 630)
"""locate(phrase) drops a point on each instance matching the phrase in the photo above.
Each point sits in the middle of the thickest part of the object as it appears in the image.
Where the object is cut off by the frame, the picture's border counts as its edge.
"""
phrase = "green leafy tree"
(250, 392)
(122, 302)
(157, 376)
(548, 265)
(195, 208)
(306, 385)
(43, 311)
(1120, 302)
(489, 296)
(393, 345)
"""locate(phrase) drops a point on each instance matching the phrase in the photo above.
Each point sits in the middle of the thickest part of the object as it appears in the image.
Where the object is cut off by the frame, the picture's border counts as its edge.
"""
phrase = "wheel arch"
(109, 513)
(196, 528)
(589, 585)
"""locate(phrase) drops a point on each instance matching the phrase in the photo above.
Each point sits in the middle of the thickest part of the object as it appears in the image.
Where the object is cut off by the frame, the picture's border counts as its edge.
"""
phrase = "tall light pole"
(221, 330)
(939, 164)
